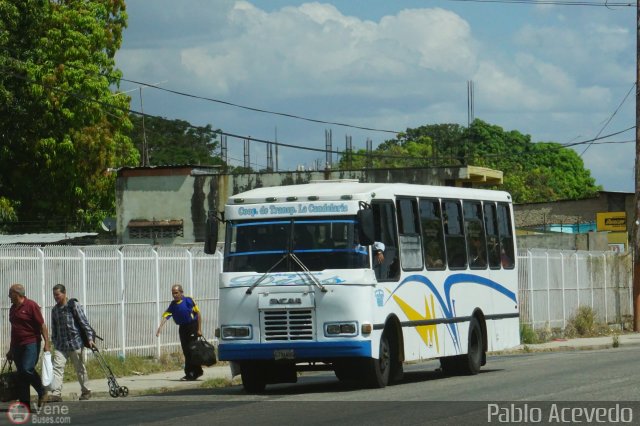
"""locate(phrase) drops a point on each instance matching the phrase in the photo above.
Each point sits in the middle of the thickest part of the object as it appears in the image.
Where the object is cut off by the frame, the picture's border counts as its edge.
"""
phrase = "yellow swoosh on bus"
(428, 333)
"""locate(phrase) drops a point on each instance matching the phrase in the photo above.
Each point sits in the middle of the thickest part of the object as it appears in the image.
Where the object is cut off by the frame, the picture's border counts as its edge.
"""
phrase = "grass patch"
(616, 341)
(220, 383)
(131, 365)
(584, 324)
(527, 334)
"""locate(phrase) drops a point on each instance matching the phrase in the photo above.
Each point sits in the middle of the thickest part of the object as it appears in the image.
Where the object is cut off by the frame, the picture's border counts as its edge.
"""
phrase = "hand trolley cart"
(115, 390)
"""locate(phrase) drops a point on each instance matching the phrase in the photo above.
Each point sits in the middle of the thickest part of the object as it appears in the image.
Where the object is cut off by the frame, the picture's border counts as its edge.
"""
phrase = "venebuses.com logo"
(18, 413)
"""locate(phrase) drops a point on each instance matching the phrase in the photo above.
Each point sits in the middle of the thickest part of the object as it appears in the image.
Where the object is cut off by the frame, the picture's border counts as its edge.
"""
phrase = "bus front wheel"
(378, 370)
(253, 379)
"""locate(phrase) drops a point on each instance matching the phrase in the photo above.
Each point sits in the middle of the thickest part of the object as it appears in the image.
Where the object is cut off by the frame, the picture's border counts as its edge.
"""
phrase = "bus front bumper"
(296, 351)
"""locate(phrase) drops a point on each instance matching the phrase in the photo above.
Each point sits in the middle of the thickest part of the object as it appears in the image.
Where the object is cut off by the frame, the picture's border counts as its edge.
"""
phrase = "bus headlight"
(341, 329)
(233, 332)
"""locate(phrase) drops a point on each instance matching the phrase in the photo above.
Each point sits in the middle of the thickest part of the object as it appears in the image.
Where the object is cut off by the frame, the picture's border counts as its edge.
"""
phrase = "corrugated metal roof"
(44, 238)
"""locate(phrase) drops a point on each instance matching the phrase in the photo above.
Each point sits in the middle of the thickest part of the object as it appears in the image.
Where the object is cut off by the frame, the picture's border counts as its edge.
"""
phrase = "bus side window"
(507, 253)
(474, 229)
(493, 240)
(410, 238)
(385, 219)
(432, 235)
(454, 235)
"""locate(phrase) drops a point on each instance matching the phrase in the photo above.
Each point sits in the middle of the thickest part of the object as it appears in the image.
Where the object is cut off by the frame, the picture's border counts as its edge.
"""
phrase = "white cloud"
(314, 49)
(555, 74)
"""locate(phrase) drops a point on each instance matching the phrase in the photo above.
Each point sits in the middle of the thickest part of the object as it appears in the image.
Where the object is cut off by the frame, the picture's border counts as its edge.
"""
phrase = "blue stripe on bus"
(325, 221)
(251, 253)
(302, 350)
(287, 222)
(271, 222)
(327, 250)
(446, 303)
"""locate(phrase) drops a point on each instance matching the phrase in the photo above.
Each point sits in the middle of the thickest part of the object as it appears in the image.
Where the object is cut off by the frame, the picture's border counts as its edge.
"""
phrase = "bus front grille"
(291, 324)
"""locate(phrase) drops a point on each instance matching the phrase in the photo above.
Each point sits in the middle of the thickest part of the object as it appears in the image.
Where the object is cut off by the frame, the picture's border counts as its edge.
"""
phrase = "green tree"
(61, 127)
(174, 141)
(533, 172)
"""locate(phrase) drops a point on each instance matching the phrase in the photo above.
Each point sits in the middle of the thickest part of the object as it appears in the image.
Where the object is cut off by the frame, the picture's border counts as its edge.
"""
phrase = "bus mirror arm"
(211, 231)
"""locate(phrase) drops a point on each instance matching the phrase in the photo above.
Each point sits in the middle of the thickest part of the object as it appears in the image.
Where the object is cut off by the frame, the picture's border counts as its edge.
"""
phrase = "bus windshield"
(319, 243)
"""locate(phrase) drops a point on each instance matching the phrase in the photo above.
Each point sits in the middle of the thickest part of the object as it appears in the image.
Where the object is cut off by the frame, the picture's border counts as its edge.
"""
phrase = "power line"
(611, 117)
(606, 4)
(264, 111)
(353, 153)
(260, 110)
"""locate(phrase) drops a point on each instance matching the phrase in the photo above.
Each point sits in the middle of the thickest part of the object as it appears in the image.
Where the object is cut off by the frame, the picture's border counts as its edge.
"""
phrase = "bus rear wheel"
(470, 363)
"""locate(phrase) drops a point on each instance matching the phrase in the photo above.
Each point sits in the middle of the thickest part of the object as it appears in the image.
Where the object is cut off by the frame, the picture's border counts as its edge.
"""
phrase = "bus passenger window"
(454, 235)
(385, 232)
(507, 252)
(473, 222)
(432, 235)
(493, 241)
(410, 239)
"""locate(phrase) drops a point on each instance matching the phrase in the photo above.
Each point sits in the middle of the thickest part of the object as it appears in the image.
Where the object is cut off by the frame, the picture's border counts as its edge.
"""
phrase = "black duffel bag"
(8, 382)
(202, 352)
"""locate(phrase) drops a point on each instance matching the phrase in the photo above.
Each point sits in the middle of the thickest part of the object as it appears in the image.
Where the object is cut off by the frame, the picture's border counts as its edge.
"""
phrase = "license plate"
(283, 354)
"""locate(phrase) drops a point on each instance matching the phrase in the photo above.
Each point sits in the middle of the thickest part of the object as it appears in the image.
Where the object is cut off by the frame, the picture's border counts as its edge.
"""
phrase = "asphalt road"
(538, 386)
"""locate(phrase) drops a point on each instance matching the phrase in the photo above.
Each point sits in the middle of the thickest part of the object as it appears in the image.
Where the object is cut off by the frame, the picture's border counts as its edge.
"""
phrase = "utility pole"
(636, 223)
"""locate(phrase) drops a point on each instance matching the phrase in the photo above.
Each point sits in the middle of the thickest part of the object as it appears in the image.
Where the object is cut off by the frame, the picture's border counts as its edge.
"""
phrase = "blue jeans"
(26, 358)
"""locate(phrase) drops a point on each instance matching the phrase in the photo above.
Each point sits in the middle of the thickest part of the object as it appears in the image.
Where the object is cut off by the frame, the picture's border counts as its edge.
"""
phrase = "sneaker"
(54, 398)
(85, 396)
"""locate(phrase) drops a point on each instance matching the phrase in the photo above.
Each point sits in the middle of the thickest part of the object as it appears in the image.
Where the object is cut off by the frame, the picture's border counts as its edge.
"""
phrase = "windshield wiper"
(259, 280)
(296, 259)
(308, 272)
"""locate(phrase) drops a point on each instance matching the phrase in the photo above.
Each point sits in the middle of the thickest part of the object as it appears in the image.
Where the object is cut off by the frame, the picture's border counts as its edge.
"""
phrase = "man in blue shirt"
(65, 334)
(186, 314)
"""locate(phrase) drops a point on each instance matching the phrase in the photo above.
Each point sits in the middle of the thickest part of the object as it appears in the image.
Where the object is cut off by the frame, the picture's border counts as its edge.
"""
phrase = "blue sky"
(557, 73)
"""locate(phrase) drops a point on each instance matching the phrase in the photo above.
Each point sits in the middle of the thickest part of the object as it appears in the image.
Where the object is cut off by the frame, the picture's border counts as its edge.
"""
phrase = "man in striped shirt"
(65, 334)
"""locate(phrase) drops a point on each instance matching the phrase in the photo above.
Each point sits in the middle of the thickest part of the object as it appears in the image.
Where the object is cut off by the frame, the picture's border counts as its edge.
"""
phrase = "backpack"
(85, 335)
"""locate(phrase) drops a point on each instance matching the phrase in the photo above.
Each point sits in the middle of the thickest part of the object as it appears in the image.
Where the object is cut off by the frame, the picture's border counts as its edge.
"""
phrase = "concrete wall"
(570, 212)
(589, 242)
(574, 211)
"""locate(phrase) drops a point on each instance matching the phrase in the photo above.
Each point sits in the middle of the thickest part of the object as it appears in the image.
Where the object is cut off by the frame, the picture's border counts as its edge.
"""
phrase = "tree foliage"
(533, 172)
(171, 142)
(61, 127)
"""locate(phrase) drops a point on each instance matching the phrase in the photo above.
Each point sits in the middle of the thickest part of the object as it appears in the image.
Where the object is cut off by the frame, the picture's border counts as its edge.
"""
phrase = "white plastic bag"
(47, 369)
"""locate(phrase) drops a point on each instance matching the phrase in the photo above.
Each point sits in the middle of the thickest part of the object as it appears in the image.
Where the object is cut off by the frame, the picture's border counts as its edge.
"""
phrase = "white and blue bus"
(360, 277)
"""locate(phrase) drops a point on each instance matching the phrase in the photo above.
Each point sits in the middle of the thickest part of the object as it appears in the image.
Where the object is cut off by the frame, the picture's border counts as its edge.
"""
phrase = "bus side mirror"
(366, 230)
(211, 234)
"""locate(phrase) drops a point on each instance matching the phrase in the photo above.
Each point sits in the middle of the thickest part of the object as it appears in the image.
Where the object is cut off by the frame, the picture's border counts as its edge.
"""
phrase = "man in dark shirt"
(27, 325)
(186, 314)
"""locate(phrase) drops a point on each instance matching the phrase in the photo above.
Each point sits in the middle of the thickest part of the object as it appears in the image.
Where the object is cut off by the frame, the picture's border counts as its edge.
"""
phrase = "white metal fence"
(125, 289)
(553, 284)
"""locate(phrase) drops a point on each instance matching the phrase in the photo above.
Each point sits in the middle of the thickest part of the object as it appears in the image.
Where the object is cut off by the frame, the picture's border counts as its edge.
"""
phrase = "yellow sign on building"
(611, 221)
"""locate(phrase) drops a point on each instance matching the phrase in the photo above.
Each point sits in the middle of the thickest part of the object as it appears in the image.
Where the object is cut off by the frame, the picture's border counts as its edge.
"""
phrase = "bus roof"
(338, 189)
